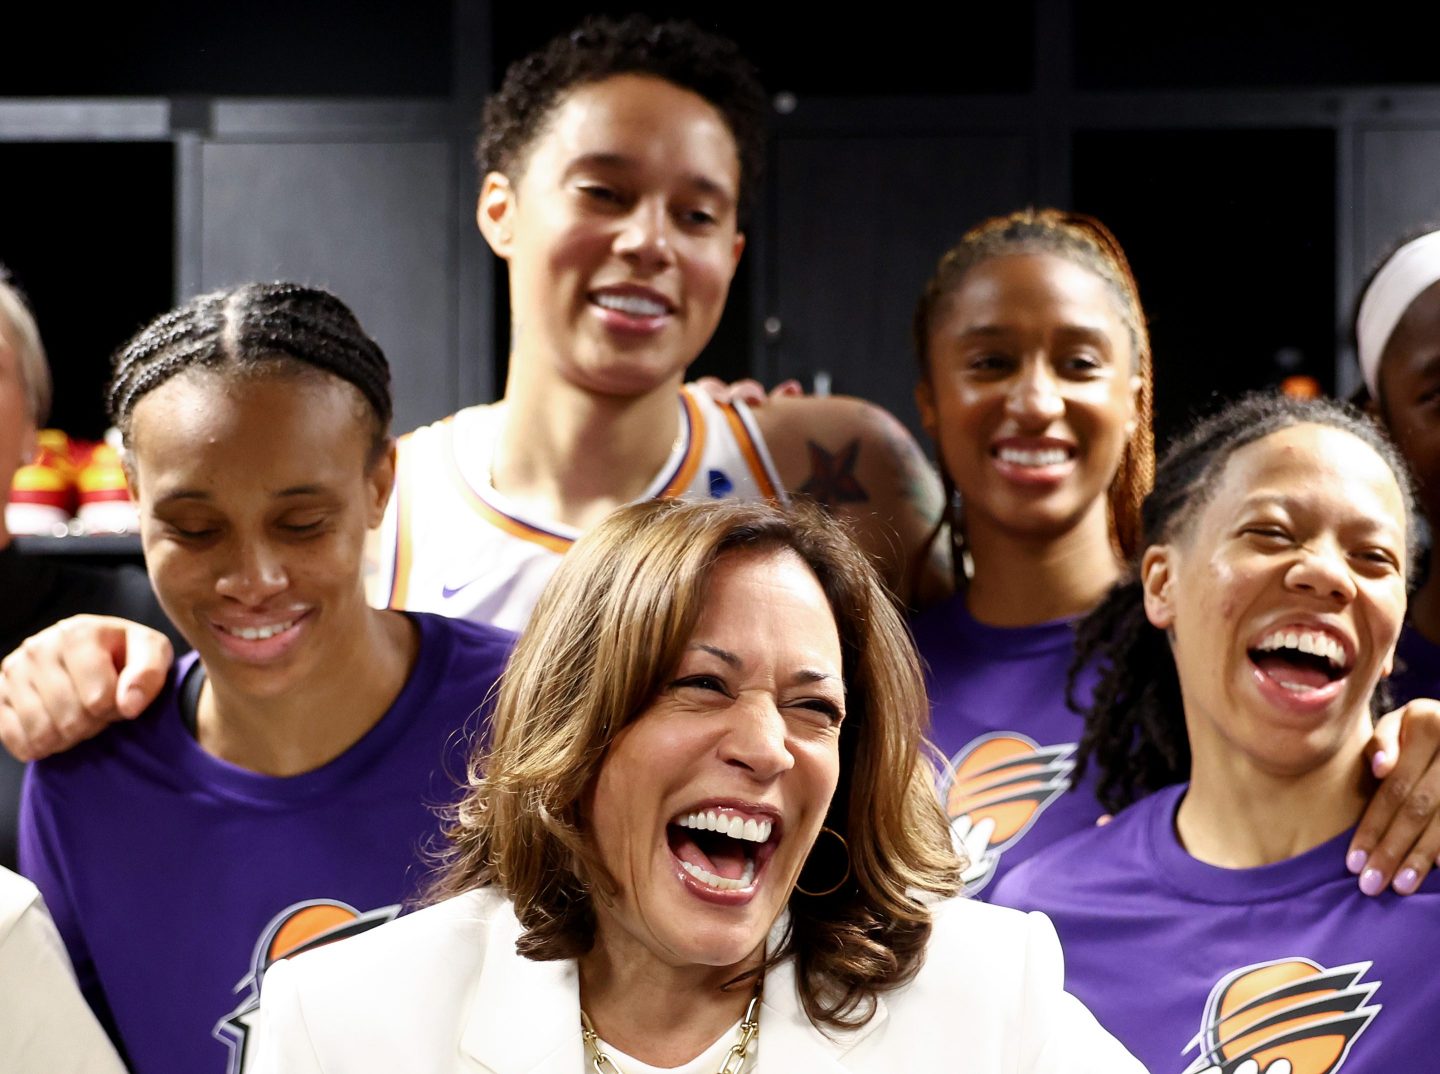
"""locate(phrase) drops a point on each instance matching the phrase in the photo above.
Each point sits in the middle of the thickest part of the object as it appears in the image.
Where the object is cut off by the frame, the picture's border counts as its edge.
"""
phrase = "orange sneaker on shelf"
(104, 494)
(42, 494)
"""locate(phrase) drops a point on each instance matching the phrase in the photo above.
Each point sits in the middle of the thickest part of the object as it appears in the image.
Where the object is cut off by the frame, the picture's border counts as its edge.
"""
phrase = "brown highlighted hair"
(606, 636)
(1088, 243)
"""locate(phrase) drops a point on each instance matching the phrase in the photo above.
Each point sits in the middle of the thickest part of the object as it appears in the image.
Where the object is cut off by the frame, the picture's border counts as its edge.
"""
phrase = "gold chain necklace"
(600, 1063)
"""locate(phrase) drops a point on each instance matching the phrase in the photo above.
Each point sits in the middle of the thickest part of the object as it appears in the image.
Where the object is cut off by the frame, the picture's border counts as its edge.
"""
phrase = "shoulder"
(1079, 866)
(992, 988)
(19, 901)
(147, 747)
(481, 646)
(793, 427)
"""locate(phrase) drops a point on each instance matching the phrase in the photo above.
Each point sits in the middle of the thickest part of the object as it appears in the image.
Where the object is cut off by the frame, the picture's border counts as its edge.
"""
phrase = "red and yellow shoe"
(104, 494)
(42, 493)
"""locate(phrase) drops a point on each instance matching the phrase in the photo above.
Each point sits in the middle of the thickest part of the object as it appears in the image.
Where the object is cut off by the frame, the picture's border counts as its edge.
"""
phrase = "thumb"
(1384, 745)
(148, 656)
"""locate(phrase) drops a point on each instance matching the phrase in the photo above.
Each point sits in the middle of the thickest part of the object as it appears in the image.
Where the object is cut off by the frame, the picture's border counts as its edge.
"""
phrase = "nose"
(1323, 571)
(1034, 400)
(756, 740)
(644, 237)
(253, 575)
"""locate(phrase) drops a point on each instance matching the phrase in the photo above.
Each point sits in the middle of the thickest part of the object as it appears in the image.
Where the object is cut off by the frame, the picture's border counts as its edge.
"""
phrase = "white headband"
(1410, 270)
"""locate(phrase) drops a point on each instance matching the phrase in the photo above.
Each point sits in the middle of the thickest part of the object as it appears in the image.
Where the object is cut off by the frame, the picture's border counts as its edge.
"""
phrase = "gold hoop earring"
(844, 876)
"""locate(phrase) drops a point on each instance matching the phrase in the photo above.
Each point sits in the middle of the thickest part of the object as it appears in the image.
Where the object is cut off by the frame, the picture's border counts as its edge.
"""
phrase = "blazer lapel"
(790, 1042)
(524, 1016)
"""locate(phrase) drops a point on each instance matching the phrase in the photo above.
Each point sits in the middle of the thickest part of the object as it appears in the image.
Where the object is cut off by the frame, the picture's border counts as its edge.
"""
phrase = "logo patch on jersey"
(720, 484)
(997, 788)
(1290, 1015)
(301, 927)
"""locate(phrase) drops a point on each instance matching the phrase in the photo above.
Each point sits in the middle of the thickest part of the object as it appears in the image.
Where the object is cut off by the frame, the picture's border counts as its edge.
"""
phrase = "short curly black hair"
(599, 48)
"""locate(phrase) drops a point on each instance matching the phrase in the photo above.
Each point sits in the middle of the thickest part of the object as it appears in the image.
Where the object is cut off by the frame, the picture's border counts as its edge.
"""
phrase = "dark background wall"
(1253, 162)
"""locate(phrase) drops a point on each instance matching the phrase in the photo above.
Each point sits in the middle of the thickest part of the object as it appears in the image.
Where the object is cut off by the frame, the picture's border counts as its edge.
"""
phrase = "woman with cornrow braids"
(278, 790)
(1241, 664)
(1036, 386)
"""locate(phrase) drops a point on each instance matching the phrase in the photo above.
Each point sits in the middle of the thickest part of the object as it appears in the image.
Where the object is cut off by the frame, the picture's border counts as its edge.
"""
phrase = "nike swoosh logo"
(446, 591)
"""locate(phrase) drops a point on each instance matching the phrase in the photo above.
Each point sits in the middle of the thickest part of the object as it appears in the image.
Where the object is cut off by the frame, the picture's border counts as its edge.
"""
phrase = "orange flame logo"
(997, 787)
(1291, 1012)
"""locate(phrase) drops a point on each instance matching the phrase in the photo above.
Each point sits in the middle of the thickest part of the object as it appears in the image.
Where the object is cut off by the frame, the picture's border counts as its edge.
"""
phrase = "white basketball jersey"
(451, 544)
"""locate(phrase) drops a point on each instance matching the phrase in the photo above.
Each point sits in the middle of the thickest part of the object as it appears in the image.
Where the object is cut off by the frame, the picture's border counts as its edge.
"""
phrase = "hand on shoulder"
(861, 463)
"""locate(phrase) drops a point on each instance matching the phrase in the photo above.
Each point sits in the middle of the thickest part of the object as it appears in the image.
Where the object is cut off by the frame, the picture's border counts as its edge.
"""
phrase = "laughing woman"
(704, 838)
(1214, 918)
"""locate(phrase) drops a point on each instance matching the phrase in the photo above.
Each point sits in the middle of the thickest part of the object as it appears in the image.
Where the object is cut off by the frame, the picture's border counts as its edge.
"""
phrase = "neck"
(315, 723)
(661, 1014)
(574, 456)
(1424, 607)
(1237, 815)
(1021, 580)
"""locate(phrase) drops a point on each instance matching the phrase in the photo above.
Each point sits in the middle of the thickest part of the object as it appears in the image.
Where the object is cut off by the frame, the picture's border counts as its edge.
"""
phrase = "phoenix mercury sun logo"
(300, 927)
(1287, 1016)
(996, 789)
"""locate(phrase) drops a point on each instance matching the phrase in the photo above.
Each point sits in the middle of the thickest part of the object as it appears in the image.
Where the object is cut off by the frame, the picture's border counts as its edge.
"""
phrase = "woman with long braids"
(1036, 386)
(280, 788)
(1212, 922)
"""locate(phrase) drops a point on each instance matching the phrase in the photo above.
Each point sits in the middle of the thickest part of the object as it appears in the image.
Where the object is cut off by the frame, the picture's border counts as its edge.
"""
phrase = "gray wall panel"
(372, 221)
(858, 226)
(1399, 191)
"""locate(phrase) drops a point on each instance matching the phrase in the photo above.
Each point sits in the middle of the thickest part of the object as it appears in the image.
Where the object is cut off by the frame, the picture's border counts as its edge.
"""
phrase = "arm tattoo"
(832, 478)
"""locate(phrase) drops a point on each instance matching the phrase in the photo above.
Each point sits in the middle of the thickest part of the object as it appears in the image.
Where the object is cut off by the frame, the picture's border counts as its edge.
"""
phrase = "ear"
(925, 403)
(495, 213)
(1133, 422)
(1157, 572)
(737, 251)
(379, 483)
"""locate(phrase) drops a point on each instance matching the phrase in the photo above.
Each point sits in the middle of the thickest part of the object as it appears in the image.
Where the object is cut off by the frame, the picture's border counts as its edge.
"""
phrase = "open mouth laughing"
(723, 849)
(1307, 662)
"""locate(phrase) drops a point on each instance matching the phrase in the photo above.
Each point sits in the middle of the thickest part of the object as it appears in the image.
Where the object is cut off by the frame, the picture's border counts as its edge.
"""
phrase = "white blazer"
(443, 991)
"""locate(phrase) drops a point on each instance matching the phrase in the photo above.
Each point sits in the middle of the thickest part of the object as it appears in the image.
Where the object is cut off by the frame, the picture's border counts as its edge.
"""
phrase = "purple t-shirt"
(1194, 967)
(175, 878)
(1417, 667)
(998, 714)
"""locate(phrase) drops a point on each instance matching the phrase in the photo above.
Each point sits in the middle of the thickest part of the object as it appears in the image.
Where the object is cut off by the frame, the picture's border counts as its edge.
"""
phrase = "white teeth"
(751, 831)
(720, 883)
(1313, 642)
(635, 305)
(1035, 457)
(260, 633)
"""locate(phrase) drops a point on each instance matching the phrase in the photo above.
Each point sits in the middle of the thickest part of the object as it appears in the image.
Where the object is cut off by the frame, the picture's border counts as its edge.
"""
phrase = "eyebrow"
(1073, 331)
(804, 675)
(1289, 501)
(201, 496)
(702, 183)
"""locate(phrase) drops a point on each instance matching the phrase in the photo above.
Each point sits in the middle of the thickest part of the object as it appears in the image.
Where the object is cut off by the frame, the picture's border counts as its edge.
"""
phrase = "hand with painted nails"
(1398, 839)
(748, 390)
(1252, 1066)
(72, 680)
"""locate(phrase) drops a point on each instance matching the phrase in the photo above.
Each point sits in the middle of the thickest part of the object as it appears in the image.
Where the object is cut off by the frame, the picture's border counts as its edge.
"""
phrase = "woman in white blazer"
(703, 838)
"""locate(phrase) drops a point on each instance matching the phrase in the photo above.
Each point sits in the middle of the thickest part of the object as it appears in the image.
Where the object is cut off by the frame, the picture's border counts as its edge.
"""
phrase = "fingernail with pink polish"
(1355, 861)
(1379, 761)
(1371, 882)
(1407, 881)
